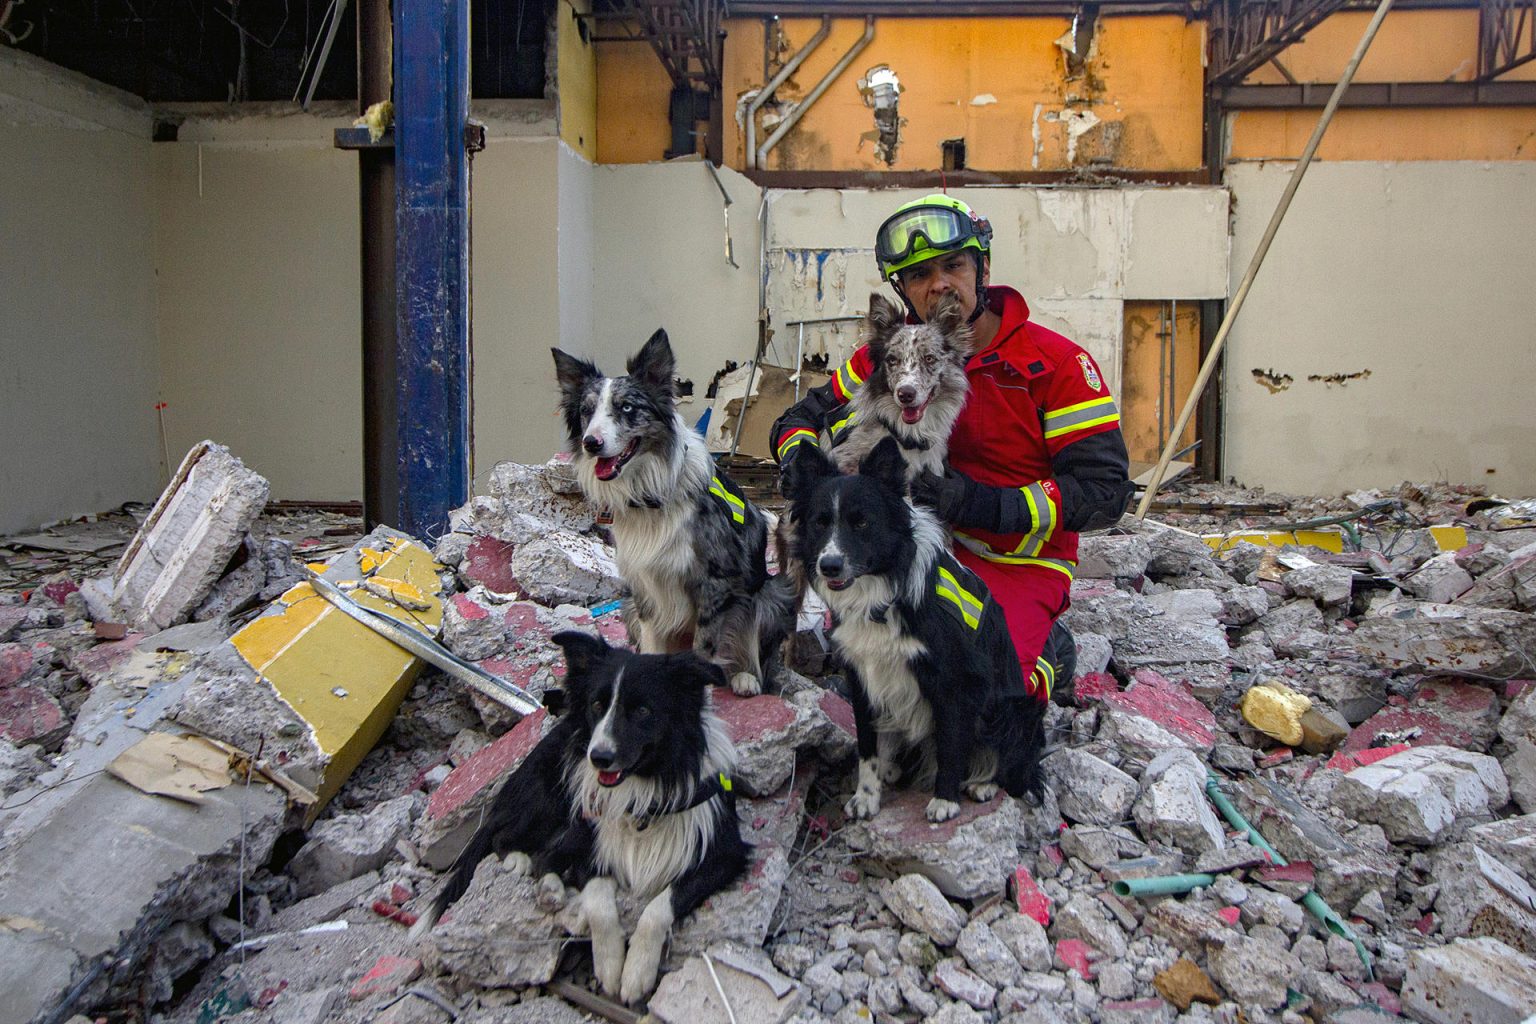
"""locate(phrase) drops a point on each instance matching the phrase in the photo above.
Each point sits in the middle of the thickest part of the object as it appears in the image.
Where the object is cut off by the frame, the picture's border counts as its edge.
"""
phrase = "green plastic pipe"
(1312, 901)
(1162, 885)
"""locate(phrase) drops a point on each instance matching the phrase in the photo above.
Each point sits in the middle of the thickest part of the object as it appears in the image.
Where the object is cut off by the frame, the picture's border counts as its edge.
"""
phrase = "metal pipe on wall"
(766, 92)
(815, 94)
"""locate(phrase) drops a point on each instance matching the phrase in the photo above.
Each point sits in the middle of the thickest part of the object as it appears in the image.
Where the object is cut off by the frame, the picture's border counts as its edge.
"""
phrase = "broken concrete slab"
(1439, 580)
(1470, 981)
(1446, 712)
(1482, 896)
(187, 540)
(754, 989)
(970, 855)
(1419, 794)
(1172, 807)
(1449, 638)
(1254, 973)
(1511, 586)
(1109, 556)
(1089, 789)
(1345, 870)
(499, 934)
(1329, 585)
(329, 679)
(1512, 841)
(345, 846)
(768, 731)
(1164, 704)
(920, 906)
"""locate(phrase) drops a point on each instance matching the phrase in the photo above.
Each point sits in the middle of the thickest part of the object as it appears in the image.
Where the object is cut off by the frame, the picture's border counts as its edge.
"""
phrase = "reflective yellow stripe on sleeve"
(794, 438)
(1081, 416)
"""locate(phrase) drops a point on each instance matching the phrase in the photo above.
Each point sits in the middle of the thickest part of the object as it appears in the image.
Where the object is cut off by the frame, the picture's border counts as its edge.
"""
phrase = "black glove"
(955, 498)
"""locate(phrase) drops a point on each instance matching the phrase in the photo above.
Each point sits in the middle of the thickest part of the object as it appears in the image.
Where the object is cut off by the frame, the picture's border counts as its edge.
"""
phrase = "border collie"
(631, 788)
(931, 666)
(690, 547)
(915, 389)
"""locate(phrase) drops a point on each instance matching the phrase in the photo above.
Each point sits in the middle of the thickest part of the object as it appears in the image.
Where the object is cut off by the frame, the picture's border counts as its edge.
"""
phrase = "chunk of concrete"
(1089, 789)
(919, 905)
(1512, 841)
(186, 542)
(498, 935)
(1172, 807)
(1440, 711)
(1449, 638)
(1417, 795)
(1165, 704)
(1440, 580)
(1083, 917)
(768, 732)
(970, 855)
(1481, 896)
(754, 989)
(1254, 973)
(348, 845)
(1108, 556)
(988, 955)
(1026, 939)
(1328, 585)
(1470, 981)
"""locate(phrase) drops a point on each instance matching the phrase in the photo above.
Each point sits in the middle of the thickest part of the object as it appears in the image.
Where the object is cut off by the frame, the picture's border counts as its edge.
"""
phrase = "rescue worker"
(1035, 456)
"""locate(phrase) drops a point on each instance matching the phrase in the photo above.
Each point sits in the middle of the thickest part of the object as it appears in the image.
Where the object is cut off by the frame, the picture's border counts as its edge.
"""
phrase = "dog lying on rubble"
(631, 788)
(689, 546)
(936, 685)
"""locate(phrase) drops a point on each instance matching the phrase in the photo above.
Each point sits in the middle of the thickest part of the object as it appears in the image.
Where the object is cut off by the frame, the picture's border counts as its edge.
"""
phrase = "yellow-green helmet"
(928, 227)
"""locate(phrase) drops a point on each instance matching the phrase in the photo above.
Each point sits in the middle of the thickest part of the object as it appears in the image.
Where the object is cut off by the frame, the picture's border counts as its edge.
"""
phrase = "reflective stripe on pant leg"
(1031, 596)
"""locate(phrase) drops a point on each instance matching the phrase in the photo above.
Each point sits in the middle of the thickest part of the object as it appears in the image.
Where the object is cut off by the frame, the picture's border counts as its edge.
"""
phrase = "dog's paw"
(518, 863)
(981, 792)
(609, 970)
(745, 684)
(862, 805)
(551, 895)
(641, 968)
(941, 810)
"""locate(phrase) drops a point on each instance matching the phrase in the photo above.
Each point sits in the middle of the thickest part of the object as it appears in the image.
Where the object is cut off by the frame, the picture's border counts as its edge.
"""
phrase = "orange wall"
(999, 83)
(1412, 46)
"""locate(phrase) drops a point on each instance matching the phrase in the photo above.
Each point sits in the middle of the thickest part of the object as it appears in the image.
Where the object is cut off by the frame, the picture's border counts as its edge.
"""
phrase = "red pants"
(1032, 597)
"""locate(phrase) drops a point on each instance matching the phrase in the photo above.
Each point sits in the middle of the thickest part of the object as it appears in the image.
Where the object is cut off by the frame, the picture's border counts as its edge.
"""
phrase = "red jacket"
(1033, 394)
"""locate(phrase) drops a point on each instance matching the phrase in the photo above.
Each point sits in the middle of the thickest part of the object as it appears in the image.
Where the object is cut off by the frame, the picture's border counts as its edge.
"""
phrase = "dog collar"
(718, 785)
(910, 444)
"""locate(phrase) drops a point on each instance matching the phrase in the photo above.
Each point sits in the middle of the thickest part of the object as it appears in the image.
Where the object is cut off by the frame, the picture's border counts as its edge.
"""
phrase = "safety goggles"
(925, 227)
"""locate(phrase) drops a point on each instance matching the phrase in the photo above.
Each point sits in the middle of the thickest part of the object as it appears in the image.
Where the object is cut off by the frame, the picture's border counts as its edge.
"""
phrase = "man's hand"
(954, 497)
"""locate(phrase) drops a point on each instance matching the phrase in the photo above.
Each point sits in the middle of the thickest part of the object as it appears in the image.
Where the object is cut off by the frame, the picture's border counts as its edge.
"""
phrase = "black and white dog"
(690, 547)
(631, 788)
(915, 389)
(932, 667)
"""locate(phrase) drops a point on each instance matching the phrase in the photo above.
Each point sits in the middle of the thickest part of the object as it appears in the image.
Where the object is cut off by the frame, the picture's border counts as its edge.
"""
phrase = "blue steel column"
(432, 260)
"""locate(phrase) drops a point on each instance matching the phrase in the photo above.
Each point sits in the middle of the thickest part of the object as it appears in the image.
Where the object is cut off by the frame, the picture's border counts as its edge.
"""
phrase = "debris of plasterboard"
(188, 539)
(881, 89)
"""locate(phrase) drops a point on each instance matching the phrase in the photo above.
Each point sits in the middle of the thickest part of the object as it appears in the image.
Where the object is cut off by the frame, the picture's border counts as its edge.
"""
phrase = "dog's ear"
(654, 363)
(583, 652)
(949, 318)
(571, 373)
(885, 464)
(803, 472)
(694, 670)
(883, 320)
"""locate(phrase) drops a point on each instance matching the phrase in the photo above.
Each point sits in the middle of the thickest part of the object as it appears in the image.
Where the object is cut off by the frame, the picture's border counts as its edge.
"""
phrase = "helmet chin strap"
(981, 295)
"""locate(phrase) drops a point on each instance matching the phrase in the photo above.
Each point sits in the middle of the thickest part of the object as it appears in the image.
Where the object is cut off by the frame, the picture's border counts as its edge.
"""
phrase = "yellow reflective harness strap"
(736, 505)
(950, 589)
(836, 430)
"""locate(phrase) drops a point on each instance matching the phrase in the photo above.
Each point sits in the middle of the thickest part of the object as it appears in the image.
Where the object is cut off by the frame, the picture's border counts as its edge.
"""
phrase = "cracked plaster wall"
(1420, 274)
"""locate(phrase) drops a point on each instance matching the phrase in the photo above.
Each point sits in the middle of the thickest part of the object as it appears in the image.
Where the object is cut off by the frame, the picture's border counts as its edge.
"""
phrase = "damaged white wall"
(1076, 254)
(77, 335)
(1389, 335)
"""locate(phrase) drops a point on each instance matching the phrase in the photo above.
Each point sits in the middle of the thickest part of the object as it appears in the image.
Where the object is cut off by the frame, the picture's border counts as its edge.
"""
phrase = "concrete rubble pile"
(1368, 711)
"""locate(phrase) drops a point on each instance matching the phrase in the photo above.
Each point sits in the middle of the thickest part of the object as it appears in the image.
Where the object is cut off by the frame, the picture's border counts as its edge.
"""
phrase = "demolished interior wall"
(77, 336)
(1388, 336)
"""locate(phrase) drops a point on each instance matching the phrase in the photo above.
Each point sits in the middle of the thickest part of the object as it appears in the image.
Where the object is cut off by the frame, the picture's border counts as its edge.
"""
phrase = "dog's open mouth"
(610, 778)
(608, 467)
(913, 413)
(837, 584)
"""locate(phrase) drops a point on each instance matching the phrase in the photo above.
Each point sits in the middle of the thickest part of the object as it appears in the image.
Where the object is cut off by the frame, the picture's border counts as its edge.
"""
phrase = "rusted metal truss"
(686, 34)
(1506, 36)
(1247, 34)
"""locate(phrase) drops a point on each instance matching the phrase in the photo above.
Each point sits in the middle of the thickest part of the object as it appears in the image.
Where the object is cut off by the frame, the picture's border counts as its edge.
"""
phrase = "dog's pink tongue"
(608, 778)
(911, 414)
(607, 468)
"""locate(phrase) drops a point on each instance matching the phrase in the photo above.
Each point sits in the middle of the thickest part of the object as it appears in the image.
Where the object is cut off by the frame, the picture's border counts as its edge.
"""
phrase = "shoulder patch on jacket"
(1090, 372)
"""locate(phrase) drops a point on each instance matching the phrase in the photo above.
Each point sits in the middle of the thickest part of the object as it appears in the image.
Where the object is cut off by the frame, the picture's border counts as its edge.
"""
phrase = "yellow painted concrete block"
(1449, 538)
(1328, 540)
(342, 678)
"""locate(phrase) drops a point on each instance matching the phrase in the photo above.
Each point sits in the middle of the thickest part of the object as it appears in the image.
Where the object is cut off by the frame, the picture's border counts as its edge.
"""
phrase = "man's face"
(926, 282)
